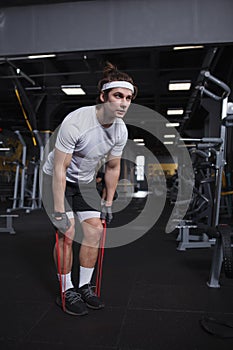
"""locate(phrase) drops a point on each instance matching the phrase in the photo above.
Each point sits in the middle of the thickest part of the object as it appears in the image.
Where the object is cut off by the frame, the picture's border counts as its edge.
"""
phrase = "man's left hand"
(106, 212)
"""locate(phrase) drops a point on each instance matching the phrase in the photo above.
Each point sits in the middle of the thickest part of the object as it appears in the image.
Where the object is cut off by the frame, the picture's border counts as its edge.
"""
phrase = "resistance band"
(100, 261)
(59, 267)
(99, 264)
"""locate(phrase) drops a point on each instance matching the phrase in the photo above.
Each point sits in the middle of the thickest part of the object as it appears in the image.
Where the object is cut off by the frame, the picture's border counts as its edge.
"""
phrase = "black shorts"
(78, 197)
(83, 197)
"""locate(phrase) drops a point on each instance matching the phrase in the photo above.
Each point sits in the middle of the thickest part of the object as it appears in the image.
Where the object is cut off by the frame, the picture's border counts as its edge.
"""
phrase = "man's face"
(119, 100)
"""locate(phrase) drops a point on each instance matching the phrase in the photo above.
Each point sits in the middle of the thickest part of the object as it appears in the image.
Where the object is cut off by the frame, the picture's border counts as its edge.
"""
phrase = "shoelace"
(89, 291)
(72, 296)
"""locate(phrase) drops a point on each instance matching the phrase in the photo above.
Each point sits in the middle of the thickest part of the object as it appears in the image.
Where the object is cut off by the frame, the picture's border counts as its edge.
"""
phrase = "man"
(86, 136)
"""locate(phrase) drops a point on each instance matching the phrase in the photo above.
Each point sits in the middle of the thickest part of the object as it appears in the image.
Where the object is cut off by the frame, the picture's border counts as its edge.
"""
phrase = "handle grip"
(226, 90)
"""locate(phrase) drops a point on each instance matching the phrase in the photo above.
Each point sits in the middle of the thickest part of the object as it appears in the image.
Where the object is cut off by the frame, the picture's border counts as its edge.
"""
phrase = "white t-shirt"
(82, 135)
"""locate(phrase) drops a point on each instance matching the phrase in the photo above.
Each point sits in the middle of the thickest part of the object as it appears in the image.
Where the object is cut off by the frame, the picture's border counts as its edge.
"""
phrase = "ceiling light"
(32, 57)
(168, 142)
(169, 136)
(141, 144)
(172, 125)
(138, 140)
(181, 85)
(73, 90)
(188, 47)
(175, 111)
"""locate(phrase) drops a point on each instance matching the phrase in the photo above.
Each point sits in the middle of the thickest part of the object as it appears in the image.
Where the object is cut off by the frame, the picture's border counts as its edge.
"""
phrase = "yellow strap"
(25, 116)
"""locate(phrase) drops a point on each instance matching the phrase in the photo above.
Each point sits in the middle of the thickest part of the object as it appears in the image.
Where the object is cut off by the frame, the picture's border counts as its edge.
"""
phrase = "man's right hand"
(61, 221)
(106, 212)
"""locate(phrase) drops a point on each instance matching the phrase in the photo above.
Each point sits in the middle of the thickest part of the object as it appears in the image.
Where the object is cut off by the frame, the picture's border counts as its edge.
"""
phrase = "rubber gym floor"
(155, 296)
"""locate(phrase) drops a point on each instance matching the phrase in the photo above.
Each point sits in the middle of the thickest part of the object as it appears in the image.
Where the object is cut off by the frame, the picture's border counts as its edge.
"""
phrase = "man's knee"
(92, 229)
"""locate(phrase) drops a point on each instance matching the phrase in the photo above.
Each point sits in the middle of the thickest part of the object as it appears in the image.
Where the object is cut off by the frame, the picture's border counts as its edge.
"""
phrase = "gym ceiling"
(39, 81)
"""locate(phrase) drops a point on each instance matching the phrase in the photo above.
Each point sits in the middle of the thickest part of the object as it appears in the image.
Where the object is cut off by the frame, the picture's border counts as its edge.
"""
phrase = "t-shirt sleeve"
(67, 136)
(117, 150)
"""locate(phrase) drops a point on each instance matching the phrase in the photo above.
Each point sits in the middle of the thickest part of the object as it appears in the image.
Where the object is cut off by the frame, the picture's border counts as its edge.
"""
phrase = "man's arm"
(112, 173)
(61, 162)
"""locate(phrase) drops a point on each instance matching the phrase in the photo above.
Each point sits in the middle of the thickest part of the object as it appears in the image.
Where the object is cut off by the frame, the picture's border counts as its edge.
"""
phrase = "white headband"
(118, 83)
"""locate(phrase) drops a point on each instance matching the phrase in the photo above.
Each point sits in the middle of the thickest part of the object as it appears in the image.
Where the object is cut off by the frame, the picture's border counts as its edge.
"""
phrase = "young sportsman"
(86, 136)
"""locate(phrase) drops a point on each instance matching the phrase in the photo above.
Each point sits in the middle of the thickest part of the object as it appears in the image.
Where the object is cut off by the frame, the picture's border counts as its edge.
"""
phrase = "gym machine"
(223, 233)
(26, 187)
(211, 149)
(7, 226)
(222, 255)
(206, 156)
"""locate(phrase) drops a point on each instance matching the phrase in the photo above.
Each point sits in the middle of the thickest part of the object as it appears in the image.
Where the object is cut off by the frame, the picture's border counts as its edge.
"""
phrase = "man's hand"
(61, 221)
(106, 212)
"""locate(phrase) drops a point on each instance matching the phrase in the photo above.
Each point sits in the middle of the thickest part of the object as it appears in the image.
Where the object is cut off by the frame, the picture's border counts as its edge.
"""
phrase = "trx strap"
(59, 267)
(100, 261)
(25, 116)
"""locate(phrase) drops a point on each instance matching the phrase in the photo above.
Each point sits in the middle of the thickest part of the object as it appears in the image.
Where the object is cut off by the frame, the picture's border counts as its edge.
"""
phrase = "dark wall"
(91, 25)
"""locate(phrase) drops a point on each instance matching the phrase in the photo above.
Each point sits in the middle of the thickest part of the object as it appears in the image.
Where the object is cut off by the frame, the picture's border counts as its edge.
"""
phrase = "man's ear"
(102, 99)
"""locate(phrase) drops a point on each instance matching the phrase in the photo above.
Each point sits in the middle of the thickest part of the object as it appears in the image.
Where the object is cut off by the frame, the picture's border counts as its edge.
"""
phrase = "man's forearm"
(111, 181)
(59, 183)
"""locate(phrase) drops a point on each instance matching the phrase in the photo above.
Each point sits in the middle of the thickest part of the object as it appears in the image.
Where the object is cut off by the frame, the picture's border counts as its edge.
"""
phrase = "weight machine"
(205, 157)
(212, 148)
(26, 186)
(223, 233)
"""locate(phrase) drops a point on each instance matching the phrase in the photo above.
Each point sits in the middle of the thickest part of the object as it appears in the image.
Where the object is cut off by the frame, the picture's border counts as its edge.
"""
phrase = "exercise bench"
(9, 223)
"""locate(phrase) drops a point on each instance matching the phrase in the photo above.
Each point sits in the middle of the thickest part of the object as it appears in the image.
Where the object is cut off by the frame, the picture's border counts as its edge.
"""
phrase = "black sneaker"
(89, 296)
(74, 305)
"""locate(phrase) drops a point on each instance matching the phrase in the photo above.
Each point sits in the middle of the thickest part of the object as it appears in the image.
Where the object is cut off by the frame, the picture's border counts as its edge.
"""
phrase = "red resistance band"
(59, 267)
(100, 261)
(99, 264)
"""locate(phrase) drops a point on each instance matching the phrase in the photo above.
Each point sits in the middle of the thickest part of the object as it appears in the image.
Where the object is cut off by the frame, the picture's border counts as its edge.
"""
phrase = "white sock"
(85, 275)
(66, 281)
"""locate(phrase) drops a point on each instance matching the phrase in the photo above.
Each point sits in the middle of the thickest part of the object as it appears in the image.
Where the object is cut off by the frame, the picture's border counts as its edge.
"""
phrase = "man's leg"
(65, 253)
(92, 231)
(69, 299)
